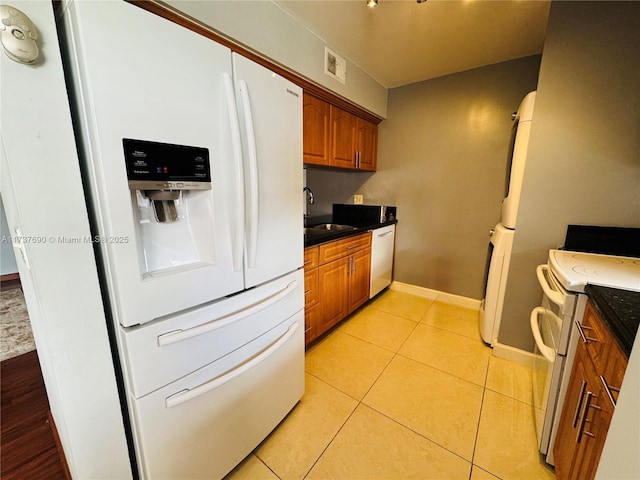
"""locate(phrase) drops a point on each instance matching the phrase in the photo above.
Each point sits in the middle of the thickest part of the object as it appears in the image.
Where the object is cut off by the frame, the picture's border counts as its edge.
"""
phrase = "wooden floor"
(27, 440)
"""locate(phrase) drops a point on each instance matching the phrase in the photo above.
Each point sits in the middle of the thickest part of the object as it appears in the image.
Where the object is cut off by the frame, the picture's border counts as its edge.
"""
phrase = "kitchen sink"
(331, 227)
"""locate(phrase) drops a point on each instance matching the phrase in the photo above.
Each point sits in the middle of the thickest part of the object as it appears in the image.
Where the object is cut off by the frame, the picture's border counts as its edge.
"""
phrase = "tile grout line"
(397, 353)
(268, 467)
(419, 434)
(330, 441)
(358, 400)
(475, 441)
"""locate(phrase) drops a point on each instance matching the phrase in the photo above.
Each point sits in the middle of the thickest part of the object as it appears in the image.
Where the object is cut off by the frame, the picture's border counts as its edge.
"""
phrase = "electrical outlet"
(358, 199)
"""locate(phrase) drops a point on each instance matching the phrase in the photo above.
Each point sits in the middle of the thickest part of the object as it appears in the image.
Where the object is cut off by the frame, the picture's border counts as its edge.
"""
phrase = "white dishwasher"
(382, 246)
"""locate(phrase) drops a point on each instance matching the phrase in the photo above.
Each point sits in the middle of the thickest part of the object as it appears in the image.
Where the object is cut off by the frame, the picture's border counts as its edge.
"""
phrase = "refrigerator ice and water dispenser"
(171, 198)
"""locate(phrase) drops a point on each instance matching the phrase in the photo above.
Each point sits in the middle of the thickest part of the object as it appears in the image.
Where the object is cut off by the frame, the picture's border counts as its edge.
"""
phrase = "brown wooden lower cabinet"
(333, 287)
(343, 275)
(359, 278)
(596, 377)
(311, 323)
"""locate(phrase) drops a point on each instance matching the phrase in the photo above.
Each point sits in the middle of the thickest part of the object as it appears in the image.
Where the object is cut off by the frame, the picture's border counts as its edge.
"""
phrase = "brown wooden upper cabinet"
(315, 136)
(336, 138)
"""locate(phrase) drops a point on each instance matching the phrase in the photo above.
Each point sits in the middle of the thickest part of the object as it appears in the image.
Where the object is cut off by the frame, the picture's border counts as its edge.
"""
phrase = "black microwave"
(363, 215)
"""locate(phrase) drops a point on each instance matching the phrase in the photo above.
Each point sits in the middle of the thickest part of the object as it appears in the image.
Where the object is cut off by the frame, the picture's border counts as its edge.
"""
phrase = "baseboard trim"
(499, 350)
(513, 354)
(61, 455)
(10, 280)
(450, 298)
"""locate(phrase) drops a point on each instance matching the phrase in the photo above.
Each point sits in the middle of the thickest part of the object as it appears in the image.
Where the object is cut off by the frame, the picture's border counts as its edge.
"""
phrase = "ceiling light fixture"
(372, 3)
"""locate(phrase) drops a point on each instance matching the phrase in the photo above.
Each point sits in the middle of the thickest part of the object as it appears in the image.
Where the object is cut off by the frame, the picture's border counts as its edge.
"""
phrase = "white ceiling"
(402, 42)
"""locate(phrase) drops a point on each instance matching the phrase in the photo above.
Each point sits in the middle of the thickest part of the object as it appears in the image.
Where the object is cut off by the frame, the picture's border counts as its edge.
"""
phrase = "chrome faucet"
(311, 199)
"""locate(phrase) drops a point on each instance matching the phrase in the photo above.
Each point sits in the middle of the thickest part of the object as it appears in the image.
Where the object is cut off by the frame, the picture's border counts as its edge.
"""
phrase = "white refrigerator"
(192, 161)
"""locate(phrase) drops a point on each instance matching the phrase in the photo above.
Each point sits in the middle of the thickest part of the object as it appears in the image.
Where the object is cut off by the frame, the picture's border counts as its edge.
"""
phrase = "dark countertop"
(620, 309)
(316, 237)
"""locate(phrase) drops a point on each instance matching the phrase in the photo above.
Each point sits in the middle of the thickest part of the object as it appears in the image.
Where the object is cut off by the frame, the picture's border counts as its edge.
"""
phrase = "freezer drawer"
(159, 352)
(203, 425)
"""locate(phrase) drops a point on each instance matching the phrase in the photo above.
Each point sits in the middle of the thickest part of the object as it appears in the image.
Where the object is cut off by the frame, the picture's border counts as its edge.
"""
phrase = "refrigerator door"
(270, 112)
(138, 76)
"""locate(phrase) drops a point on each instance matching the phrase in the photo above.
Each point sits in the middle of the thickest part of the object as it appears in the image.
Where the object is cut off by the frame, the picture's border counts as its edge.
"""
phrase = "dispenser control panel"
(165, 166)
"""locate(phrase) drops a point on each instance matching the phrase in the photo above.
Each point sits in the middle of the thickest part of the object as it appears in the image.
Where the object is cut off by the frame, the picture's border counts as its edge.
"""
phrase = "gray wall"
(442, 160)
(267, 29)
(583, 164)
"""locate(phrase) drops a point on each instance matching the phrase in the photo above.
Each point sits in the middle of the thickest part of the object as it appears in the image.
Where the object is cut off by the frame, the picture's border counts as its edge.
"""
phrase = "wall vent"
(335, 66)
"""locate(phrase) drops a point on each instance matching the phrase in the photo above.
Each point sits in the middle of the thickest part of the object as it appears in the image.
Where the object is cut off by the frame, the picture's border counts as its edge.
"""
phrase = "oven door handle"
(547, 352)
(556, 297)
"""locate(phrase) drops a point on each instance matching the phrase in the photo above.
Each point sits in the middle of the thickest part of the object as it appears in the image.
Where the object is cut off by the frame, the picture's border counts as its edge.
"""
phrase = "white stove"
(574, 270)
(563, 280)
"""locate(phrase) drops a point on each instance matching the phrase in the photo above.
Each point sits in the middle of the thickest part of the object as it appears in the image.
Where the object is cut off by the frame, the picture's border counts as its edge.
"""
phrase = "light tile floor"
(403, 389)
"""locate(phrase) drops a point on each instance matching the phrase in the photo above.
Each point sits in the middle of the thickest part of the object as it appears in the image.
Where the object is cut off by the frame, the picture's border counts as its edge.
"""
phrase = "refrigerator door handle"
(186, 395)
(176, 336)
(254, 203)
(236, 143)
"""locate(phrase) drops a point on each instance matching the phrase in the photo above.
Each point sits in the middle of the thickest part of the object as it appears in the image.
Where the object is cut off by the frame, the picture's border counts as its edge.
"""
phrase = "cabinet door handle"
(608, 389)
(588, 434)
(351, 247)
(579, 404)
(583, 419)
(581, 330)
